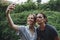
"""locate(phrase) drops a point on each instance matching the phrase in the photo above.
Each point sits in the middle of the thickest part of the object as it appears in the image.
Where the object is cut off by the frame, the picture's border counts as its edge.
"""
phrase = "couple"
(30, 32)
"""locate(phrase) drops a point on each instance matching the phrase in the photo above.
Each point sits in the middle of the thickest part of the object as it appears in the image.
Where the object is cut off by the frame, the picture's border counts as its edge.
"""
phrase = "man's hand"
(10, 8)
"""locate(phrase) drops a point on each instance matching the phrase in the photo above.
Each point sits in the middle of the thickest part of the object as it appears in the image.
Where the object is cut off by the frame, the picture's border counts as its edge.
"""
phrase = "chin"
(39, 23)
(29, 23)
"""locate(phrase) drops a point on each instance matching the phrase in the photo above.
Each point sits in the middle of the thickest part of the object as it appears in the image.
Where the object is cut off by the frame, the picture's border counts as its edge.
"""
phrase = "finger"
(11, 7)
(13, 4)
(8, 10)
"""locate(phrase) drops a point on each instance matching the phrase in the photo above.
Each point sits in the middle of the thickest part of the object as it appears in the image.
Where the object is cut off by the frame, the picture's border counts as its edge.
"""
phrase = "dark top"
(48, 34)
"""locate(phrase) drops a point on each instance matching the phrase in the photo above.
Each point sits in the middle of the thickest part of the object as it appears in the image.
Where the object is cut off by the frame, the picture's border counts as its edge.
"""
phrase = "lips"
(30, 21)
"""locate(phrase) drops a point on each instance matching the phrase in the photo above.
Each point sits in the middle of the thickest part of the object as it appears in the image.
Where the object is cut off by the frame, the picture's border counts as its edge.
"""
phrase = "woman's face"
(30, 20)
(40, 19)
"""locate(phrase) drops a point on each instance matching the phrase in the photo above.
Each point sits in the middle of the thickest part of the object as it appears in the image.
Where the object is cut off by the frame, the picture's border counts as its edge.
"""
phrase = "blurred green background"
(19, 15)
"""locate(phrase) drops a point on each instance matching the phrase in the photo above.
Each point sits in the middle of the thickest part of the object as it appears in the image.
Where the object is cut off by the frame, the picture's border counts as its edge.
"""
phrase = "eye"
(32, 18)
(39, 17)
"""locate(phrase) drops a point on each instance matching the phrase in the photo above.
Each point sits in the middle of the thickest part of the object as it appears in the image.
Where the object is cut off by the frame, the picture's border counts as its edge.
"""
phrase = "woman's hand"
(10, 8)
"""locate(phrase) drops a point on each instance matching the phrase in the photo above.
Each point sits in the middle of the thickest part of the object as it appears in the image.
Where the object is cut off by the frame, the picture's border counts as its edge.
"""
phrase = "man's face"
(40, 19)
(30, 20)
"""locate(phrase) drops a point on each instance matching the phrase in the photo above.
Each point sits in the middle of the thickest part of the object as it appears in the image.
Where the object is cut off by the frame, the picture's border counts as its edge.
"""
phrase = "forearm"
(10, 21)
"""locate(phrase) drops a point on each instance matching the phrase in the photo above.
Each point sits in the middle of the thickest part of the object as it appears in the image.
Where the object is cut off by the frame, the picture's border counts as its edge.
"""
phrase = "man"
(26, 32)
(45, 31)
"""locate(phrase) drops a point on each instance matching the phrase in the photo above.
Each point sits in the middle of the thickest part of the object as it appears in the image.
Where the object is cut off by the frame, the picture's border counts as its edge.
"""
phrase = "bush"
(26, 6)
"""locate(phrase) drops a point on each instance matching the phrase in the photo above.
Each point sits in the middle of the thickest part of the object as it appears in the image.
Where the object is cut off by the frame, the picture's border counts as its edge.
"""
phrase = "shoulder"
(21, 27)
(52, 30)
(50, 27)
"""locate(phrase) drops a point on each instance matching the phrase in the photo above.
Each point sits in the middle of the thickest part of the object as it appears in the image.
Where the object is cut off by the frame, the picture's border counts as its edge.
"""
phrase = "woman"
(26, 32)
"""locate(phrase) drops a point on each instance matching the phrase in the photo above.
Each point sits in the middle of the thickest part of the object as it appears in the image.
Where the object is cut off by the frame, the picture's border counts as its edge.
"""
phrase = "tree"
(29, 1)
(54, 5)
(38, 1)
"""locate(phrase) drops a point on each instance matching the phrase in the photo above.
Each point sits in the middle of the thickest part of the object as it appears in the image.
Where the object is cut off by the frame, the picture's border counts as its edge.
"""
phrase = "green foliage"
(26, 6)
(6, 33)
(29, 1)
(38, 1)
(19, 16)
(53, 5)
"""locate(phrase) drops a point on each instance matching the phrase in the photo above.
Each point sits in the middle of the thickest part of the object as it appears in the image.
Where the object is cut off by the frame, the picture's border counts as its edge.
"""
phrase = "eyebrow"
(39, 17)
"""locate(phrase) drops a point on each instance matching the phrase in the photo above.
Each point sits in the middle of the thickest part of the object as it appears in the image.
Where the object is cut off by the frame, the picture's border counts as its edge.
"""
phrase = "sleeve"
(21, 28)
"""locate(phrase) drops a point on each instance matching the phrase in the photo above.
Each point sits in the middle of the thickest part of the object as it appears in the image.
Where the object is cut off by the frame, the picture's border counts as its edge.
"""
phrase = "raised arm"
(8, 11)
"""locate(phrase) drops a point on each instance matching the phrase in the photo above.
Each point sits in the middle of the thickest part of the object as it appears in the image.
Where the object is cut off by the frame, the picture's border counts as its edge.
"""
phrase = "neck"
(42, 26)
(31, 27)
(32, 30)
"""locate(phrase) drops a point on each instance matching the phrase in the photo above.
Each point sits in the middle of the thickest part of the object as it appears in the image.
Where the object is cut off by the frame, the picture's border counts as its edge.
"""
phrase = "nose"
(37, 19)
(29, 19)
